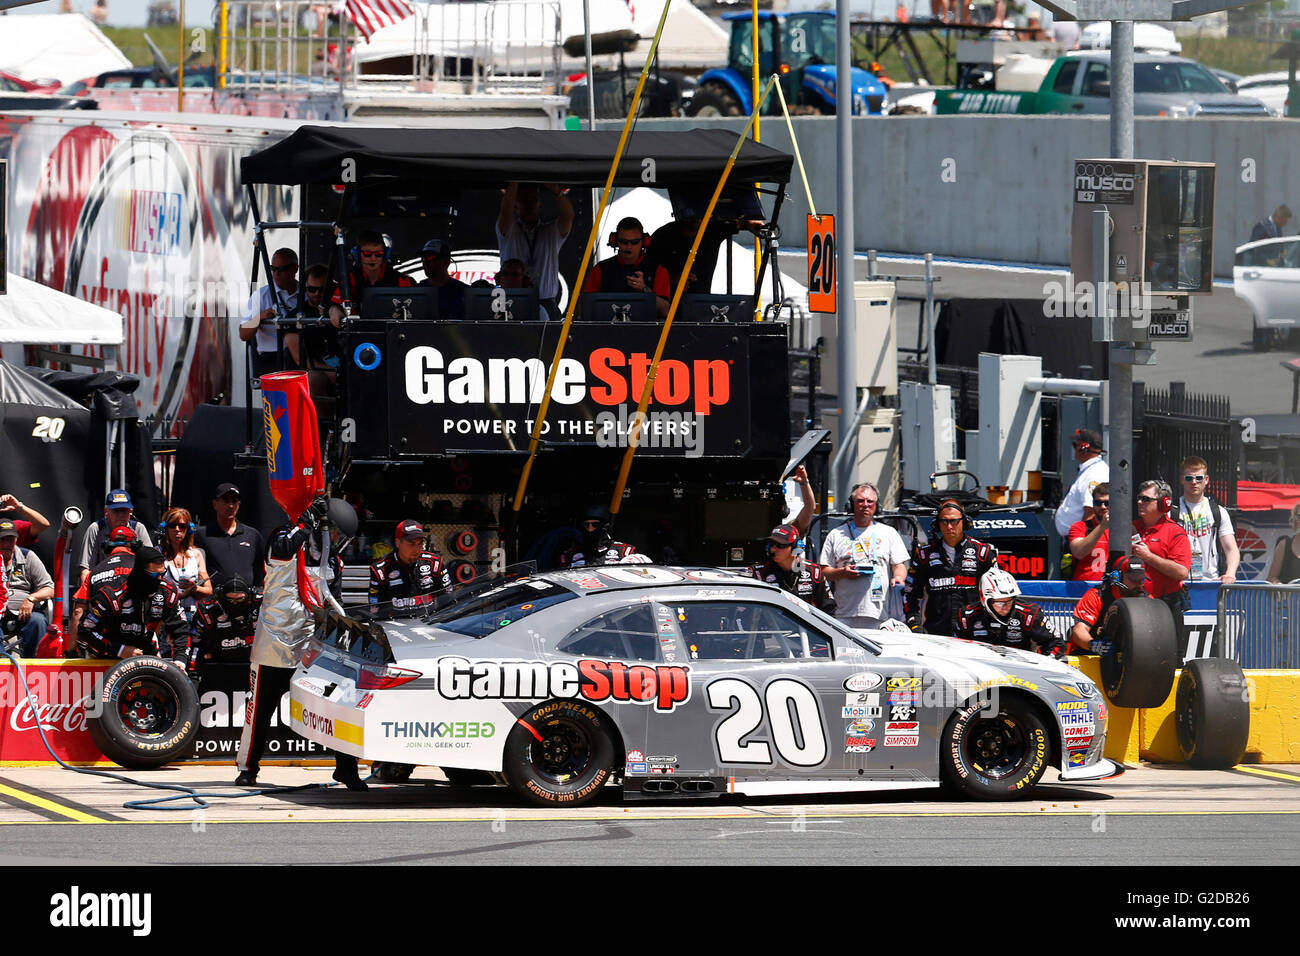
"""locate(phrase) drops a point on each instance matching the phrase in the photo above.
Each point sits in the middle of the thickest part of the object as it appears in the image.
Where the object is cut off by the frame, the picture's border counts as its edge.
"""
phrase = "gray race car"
(689, 683)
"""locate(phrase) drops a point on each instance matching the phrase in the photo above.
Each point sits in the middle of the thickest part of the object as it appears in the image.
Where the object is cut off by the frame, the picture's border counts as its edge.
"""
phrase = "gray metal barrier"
(1058, 612)
(1259, 624)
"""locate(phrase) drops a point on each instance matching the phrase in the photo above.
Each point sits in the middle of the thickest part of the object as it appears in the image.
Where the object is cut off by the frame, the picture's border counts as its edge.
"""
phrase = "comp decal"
(596, 681)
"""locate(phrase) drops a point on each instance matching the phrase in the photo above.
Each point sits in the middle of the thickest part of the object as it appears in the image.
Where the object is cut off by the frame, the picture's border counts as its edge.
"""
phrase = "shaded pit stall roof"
(490, 157)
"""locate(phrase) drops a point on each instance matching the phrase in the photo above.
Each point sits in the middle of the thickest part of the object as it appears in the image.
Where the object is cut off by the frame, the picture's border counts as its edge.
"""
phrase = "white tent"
(691, 38)
(1147, 38)
(34, 314)
(62, 46)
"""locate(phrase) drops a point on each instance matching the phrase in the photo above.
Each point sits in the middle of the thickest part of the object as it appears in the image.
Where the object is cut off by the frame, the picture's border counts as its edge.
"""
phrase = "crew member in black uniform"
(791, 571)
(1006, 619)
(945, 573)
(595, 545)
(118, 564)
(139, 615)
(224, 622)
(410, 576)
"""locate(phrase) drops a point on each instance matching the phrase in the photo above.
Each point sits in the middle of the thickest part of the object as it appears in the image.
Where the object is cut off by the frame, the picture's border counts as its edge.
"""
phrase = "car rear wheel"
(988, 756)
(559, 754)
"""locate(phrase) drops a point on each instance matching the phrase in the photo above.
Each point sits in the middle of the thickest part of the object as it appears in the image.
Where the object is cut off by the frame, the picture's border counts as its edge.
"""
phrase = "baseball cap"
(784, 534)
(408, 528)
(227, 488)
(1088, 436)
(122, 535)
(8, 529)
(118, 498)
(436, 247)
(1125, 564)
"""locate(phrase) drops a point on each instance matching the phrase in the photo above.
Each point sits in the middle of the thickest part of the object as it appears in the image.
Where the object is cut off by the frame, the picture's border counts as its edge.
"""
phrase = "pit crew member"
(1004, 618)
(1093, 470)
(1125, 579)
(1162, 546)
(225, 622)
(787, 568)
(410, 576)
(286, 622)
(140, 614)
(946, 572)
(595, 545)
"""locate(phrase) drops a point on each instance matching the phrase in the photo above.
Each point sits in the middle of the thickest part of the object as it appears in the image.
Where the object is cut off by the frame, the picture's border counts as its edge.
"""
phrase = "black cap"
(1089, 437)
(408, 528)
(785, 534)
(8, 528)
(1128, 565)
(146, 556)
(232, 584)
(227, 488)
(436, 247)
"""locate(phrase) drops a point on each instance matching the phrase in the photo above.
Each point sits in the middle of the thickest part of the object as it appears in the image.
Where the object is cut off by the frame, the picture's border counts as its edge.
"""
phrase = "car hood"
(1206, 102)
(919, 646)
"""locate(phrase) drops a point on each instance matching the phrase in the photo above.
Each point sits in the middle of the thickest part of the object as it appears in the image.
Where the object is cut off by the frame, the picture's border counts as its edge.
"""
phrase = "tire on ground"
(158, 688)
(559, 753)
(1212, 713)
(1140, 671)
(994, 757)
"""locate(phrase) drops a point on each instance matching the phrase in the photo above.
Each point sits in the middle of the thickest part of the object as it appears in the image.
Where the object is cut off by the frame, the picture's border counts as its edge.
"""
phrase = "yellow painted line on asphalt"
(74, 816)
(1260, 772)
(187, 821)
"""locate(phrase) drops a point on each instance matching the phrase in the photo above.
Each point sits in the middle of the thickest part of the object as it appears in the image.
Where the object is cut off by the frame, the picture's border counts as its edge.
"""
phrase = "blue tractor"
(798, 47)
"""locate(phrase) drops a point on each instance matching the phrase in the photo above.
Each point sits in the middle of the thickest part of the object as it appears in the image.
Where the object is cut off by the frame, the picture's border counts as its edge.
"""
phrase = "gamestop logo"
(608, 377)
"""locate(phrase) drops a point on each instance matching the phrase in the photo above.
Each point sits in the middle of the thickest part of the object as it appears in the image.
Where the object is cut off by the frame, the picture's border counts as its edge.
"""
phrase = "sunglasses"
(179, 524)
(864, 501)
(777, 544)
(1196, 478)
(371, 255)
(629, 242)
(949, 521)
(284, 268)
(313, 289)
(1100, 504)
(1146, 499)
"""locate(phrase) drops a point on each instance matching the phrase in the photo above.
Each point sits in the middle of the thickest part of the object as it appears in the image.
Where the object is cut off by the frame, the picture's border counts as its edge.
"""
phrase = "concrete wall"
(998, 187)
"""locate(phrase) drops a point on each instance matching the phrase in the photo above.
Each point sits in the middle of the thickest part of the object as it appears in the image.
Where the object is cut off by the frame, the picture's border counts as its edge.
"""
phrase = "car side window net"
(733, 630)
(627, 633)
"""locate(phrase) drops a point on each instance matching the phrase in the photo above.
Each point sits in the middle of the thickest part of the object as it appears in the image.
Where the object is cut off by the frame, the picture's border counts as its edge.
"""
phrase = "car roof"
(1274, 240)
(1137, 57)
(619, 577)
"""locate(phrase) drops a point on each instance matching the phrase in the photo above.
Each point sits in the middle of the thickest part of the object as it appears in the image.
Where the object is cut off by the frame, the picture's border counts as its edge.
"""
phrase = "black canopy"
(489, 157)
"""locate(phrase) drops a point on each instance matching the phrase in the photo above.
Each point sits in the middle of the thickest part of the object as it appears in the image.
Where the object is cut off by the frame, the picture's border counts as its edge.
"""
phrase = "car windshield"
(1279, 253)
(1174, 77)
(494, 609)
(840, 627)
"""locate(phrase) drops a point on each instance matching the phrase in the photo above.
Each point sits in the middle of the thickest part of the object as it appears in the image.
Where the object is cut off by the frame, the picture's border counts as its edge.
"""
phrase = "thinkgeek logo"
(76, 909)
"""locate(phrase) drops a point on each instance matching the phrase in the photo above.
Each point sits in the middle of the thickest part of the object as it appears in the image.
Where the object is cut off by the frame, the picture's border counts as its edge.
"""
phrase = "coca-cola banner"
(61, 690)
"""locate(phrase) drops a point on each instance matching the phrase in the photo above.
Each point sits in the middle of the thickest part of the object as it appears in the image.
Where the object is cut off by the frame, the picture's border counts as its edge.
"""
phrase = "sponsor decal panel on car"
(855, 711)
(863, 681)
(596, 681)
(902, 740)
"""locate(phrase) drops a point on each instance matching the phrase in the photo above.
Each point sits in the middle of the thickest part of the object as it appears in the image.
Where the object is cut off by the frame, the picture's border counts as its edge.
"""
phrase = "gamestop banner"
(478, 387)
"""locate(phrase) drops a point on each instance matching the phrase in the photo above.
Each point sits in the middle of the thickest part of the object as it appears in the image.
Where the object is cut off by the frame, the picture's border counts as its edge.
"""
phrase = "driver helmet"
(997, 585)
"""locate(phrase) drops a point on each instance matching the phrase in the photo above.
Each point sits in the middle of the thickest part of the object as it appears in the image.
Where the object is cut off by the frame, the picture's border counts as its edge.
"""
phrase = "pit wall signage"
(478, 387)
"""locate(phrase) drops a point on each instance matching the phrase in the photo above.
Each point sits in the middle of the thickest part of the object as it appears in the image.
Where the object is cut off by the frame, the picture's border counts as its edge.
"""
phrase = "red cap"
(784, 534)
(121, 535)
(408, 528)
(1128, 565)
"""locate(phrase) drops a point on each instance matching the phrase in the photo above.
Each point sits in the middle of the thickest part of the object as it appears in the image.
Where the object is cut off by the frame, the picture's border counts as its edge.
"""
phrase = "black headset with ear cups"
(612, 241)
(966, 523)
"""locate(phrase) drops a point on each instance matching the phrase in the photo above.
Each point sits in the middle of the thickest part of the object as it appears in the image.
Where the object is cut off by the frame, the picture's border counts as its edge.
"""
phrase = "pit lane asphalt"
(1150, 815)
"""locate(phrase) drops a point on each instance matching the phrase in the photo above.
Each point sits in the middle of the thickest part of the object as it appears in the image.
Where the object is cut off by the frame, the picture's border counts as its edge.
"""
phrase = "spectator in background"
(1286, 555)
(522, 235)
(1215, 555)
(186, 568)
(264, 310)
(28, 584)
(946, 572)
(630, 269)
(319, 346)
(29, 526)
(230, 546)
(513, 275)
(1270, 227)
(119, 512)
(1066, 33)
(1162, 546)
(1093, 470)
(865, 561)
(671, 244)
(436, 255)
(1089, 539)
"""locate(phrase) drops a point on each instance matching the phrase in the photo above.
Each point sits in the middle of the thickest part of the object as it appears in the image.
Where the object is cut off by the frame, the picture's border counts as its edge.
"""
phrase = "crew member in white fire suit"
(286, 623)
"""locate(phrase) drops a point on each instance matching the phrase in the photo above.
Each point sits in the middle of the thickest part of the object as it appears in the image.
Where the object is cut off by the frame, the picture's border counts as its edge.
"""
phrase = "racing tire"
(713, 101)
(1139, 672)
(998, 757)
(1212, 713)
(559, 754)
(146, 714)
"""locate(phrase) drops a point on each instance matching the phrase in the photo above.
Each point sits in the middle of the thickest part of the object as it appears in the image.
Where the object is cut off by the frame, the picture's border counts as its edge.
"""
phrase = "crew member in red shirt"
(629, 269)
(1126, 579)
(372, 268)
(1162, 546)
(1089, 539)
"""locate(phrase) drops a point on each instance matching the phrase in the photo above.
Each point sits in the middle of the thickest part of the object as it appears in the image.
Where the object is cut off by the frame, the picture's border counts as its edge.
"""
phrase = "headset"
(1083, 442)
(1165, 501)
(612, 241)
(354, 252)
(191, 528)
(966, 523)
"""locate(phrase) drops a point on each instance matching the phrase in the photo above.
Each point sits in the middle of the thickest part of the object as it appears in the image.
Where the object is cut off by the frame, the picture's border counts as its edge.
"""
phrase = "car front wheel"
(559, 754)
(994, 756)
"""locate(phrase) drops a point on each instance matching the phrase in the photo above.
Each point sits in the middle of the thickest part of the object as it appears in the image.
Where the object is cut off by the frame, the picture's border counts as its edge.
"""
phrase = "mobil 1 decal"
(796, 734)
(477, 387)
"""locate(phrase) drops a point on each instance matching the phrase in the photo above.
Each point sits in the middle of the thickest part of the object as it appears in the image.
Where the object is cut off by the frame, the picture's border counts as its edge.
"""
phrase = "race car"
(689, 683)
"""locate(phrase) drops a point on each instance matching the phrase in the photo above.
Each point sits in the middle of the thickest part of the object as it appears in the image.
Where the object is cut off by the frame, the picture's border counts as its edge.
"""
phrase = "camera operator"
(28, 584)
